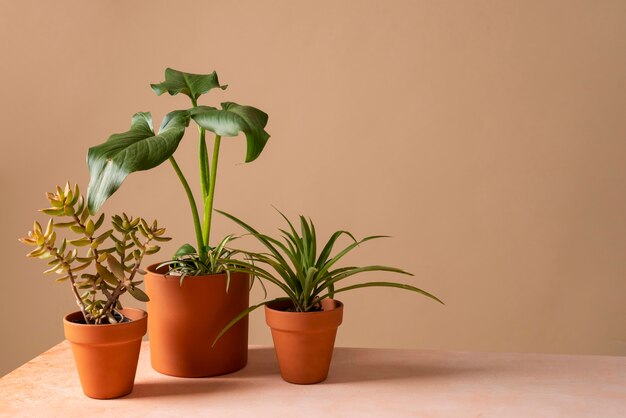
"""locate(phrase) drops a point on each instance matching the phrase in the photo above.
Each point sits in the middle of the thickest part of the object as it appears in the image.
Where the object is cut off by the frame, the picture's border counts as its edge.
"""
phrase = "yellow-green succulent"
(115, 254)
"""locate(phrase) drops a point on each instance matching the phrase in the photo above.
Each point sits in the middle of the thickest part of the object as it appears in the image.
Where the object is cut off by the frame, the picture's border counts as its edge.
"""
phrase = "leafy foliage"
(186, 261)
(192, 85)
(304, 272)
(116, 266)
(233, 119)
(141, 148)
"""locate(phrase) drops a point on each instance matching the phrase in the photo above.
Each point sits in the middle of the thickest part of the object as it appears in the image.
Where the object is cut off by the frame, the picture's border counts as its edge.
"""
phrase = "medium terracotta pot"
(304, 341)
(185, 320)
(106, 355)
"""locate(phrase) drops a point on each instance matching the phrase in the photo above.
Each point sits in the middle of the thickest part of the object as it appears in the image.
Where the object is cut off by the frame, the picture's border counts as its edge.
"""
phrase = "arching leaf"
(185, 249)
(135, 150)
(192, 85)
(138, 294)
(233, 119)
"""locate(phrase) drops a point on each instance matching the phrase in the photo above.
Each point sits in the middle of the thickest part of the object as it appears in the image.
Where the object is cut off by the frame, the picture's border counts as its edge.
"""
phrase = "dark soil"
(105, 321)
(314, 309)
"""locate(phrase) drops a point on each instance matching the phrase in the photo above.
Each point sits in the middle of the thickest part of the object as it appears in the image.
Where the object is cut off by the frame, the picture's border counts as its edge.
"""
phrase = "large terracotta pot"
(304, 341)
(106, 355)
(185, 320)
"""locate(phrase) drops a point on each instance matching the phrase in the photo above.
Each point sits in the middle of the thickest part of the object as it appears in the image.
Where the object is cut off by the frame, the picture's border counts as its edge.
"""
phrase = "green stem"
(208, 203)
(194, 208)
(203, 156)
(204, 164)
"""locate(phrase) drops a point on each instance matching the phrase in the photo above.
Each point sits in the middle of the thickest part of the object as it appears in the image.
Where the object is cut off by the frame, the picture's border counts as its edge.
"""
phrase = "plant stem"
(204, 163)
(96, 254)
(208, 203)
(79, 301)
(203, 156)
(121, 288)
(108, 307)
(70, 274)
(194, 208)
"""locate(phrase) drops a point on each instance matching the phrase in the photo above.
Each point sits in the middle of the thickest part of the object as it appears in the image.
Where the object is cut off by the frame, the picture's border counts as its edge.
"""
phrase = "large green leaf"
(233, 119)
(185, 249)
(193, 85)
(135, 150)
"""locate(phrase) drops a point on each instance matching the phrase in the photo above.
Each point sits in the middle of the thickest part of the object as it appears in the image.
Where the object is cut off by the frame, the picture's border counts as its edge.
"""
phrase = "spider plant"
(186, 262)
(305, 275)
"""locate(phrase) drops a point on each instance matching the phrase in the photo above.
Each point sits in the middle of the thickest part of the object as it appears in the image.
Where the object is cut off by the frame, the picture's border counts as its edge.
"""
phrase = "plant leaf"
(137, 149)
(81, 242)
(106, 275)
(116, 268)
(185, 249)
(241, 315)
(138, 294)
(233, 119)
(389, 284)
(192, 85)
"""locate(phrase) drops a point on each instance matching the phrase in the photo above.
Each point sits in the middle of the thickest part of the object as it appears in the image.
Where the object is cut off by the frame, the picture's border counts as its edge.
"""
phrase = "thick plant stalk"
(194, 208)
(79, 301)
(208, 203)
(203, 157)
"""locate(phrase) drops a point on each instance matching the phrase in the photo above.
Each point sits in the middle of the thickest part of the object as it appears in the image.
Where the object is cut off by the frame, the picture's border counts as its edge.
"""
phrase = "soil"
(314, 309)
(104, 322)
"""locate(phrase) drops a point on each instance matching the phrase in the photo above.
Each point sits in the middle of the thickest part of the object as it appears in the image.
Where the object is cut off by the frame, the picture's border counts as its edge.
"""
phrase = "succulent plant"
(115, 254)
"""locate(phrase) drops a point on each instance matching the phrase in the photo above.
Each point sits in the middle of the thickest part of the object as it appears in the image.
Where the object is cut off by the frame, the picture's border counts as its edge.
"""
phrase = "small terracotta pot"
(185, 320)
(304, 341)
(106, 355)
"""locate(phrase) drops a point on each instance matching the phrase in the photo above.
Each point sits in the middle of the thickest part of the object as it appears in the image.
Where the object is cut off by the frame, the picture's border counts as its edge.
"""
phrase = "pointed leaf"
(138, 294)
(106, 275)
(389, 284)
(80, 242)
(192, 85)
(116, 268)
(185, 249)
(240, 316)
(135, 150)
(233, 119)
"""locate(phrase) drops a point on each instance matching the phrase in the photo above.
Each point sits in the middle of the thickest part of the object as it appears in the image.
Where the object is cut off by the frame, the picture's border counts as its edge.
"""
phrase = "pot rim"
(338, 305)
(152, 269)
(78, 324)
(305, 322)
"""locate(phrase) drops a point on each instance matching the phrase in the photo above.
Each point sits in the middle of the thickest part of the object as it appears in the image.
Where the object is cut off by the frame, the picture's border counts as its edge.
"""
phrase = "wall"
(487, 137)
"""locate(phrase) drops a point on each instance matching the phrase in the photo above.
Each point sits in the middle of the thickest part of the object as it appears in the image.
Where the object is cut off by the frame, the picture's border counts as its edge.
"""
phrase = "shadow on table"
(261, 363)
(185, 387)
(352, 365)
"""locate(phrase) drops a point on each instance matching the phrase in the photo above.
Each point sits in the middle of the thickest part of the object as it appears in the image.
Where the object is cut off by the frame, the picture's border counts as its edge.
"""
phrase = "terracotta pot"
(304, 341)
(106, 355)
(184, 321)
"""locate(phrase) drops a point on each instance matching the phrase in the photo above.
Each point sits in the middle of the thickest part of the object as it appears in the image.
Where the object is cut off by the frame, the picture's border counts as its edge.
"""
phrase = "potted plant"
(194, 295)
(105, 337)
(304, 322)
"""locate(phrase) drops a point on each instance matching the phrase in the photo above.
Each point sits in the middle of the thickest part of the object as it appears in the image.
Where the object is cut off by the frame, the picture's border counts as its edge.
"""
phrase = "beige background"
(488, 137)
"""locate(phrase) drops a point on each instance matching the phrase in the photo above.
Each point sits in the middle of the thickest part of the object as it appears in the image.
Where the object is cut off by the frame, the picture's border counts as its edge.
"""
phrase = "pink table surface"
(362, 383)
